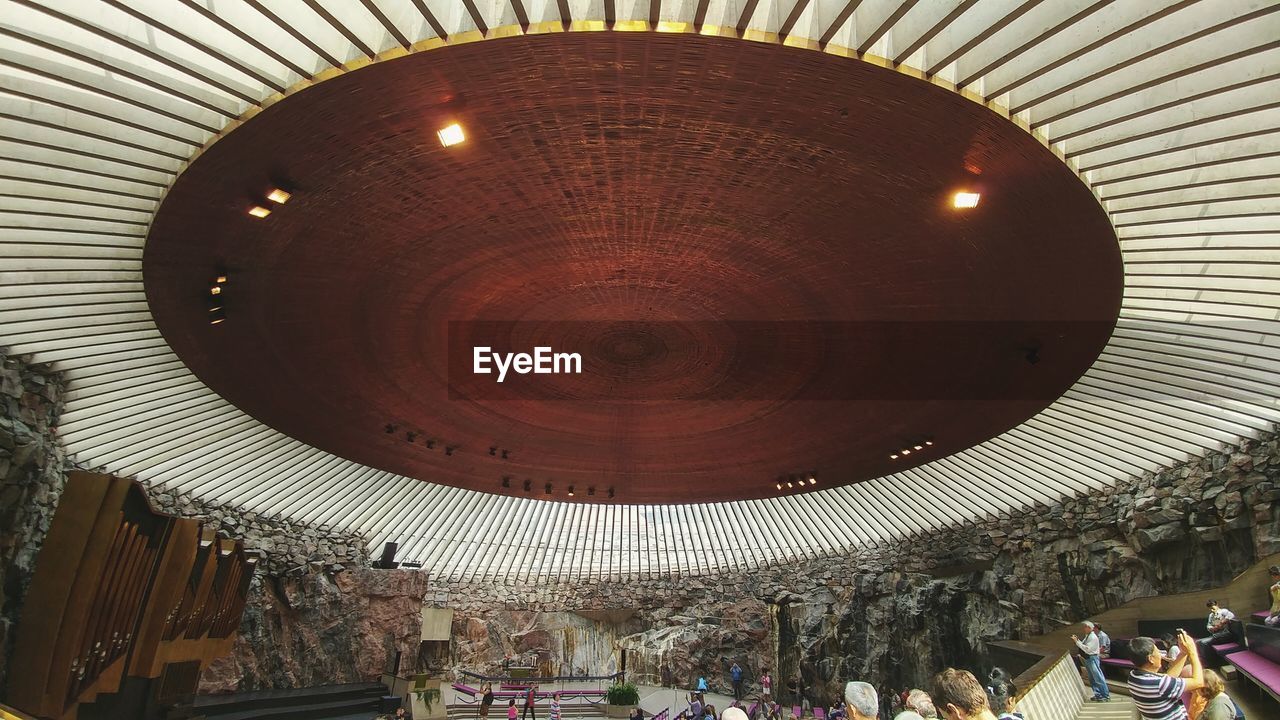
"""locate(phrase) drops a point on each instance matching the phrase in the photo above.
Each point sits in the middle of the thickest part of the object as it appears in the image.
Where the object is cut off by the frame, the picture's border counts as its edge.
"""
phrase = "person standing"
(1273, 615)
(512, 714)
(1159, 696)
(1090, 648)
(766, 685)
(1104, 641)
(530, 703)
(555, 706)
(735, 674)
(486, 699)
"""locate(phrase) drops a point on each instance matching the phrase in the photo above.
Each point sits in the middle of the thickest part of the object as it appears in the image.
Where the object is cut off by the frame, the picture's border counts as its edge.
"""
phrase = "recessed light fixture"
(217, 316)
(279, 196)
(547, 487)
(918, 447)
(906, 452)
(570, 491)
(893, 457)
(789, 485)
(928, 442)
(215, 290)
(220, 279)
(451, 135)
(813, 481)
(779, 486)
(259, 211)
(965, 200)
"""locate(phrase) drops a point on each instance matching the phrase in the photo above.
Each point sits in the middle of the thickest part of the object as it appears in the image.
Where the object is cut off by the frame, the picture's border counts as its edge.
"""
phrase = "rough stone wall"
(895, 614)
(287, 547)
(31, 481)
(322, 627)
(317, 612)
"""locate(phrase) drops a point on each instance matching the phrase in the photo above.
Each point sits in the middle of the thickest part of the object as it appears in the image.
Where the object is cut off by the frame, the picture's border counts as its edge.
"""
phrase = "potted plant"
(619, 699)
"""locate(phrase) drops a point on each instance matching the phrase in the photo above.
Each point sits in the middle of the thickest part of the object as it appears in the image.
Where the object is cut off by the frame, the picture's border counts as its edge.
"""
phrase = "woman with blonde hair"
(1212, 702)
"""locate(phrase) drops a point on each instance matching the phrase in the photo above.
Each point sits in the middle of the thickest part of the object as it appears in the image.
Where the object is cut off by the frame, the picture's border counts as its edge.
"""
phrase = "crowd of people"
(954, 695)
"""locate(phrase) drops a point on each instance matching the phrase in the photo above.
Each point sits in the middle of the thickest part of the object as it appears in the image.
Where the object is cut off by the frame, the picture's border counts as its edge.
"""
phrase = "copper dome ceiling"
(753, 248)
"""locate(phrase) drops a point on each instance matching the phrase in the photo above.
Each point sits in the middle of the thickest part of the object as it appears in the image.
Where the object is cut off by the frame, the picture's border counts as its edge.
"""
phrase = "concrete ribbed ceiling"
(1169, 111)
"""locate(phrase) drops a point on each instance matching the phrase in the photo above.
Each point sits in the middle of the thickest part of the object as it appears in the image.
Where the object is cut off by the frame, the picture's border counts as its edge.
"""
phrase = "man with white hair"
(919, 701)
(861, 701)
(1091, 648)
(733, 713)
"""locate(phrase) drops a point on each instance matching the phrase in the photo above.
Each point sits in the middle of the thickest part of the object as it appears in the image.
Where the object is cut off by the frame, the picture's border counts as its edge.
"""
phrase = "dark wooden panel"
(120, 595)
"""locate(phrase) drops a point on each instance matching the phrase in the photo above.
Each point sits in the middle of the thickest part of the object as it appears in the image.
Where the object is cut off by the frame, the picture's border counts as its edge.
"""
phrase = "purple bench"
(1227, 648)
(662, 715)
(1260, 617)
(1260, 670)
(1261, 662)
(819, 713)
(796, 711)
(465, 689)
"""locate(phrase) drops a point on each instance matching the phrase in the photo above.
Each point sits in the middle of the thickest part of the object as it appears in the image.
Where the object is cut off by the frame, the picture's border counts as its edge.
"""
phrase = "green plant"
(427, 697)
(622, 694)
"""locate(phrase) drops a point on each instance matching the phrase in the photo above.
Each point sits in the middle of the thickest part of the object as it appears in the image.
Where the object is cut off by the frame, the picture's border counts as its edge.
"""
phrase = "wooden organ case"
(126, 607)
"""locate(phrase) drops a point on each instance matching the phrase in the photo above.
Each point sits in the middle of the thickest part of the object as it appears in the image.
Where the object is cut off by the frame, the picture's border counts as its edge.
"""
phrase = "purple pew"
(465, 689)
(819, 713)
(796, 711)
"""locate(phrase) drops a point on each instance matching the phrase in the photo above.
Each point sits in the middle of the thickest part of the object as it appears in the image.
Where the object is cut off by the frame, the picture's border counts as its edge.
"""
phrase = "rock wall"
(317, 612)
(894, 615)
(31, 481)
(322, 627)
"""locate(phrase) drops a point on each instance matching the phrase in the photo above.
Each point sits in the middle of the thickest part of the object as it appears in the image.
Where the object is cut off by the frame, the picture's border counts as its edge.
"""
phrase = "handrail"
(1053, 689)
(527, 680)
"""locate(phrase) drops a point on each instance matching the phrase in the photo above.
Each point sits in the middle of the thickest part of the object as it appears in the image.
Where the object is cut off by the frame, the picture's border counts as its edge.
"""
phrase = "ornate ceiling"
(1168, 112)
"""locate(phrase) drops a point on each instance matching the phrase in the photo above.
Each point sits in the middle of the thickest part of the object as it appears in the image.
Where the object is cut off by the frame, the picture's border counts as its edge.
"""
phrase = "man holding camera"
(1158, 696)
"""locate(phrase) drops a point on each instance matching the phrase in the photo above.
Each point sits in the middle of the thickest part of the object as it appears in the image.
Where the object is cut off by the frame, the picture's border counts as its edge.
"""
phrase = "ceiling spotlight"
(906, 452)
(506, 481)
(918, 447)
(789, 485)
(611, 492)
(504, 454)
(451, 135)
(547, 487)
(813, 480)
(217, 316)
(448, 449)
(965, 200)
(493, 451)
(259, 211)
(570, 491)
(279, 196)
(591, 491)
(431, 444)
(527, 485)
(215, 290)
(390, 428)
(220, 279)
(411, 436)
(928, 442)
(893, 457)
(779, 486)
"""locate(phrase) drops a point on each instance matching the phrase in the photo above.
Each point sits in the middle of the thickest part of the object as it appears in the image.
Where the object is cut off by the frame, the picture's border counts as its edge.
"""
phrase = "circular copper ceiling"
(752, 247)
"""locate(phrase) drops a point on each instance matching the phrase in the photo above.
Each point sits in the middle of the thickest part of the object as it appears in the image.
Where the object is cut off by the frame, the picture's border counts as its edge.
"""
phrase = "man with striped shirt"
(1158, 696)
